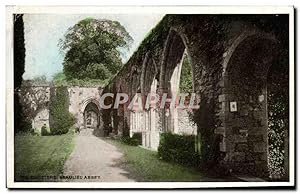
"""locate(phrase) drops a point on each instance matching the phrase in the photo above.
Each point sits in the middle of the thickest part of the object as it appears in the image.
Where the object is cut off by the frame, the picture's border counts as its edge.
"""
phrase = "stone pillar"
(245, 133)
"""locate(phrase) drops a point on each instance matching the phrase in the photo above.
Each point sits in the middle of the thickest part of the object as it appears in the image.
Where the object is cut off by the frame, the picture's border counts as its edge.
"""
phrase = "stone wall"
(35, 104)
(41, 119)
(234, 140)
(79, 99)
(36, 100)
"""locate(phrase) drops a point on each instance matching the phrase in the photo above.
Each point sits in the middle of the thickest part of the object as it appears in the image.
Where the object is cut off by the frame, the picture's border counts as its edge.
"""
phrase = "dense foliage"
(278, 113)
(20, 121)
(19, 50)
(61, 120)
(179, 149)
(135, 140)
(93, 49)
(186, 76)
(60, 79)
(44, 131)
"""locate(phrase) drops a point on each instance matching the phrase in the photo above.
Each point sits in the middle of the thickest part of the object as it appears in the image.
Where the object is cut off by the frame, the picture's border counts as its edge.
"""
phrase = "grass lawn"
(37, 156)
(144, 165)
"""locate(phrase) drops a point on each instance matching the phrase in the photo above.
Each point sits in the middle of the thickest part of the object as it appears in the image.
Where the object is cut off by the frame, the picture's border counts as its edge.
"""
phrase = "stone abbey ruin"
(235, 62)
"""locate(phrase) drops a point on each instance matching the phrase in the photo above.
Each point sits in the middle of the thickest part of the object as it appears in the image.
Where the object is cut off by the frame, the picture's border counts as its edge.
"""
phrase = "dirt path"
(95, 158)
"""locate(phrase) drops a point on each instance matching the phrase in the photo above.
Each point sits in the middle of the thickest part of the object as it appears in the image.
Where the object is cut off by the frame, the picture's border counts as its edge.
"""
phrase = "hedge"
(135, 140)
(61, 120)
(179, 149)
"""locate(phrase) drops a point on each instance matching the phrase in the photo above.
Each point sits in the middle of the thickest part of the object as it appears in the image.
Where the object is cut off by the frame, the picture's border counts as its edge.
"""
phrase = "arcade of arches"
(238, 68)
(230, 58)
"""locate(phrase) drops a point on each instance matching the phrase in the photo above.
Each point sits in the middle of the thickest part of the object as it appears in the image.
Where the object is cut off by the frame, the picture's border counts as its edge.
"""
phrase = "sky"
(43, 32)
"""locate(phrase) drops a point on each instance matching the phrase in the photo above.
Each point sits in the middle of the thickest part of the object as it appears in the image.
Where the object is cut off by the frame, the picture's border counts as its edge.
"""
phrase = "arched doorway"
(247, 79)
(91, 116)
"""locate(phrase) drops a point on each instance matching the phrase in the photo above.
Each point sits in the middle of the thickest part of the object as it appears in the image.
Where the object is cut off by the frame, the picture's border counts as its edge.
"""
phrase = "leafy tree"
(93, 49)
(60, 79)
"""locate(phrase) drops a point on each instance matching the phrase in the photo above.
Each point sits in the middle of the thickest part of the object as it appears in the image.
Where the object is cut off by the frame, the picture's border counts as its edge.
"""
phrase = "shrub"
(179, 149)
(34, 132)
(61, 120)
(137, 137)
(44, 131)
(135, 140)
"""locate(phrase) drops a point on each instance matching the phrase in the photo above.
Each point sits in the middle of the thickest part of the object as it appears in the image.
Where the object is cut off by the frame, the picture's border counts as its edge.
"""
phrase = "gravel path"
(94, 160)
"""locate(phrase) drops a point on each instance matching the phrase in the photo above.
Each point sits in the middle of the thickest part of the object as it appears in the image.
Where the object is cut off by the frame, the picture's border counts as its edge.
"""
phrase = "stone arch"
(172, 56)
(90, 100)
(91, 116)
(251, 34)
(85, 103)
(244, 102)
(169, 79)
(115, 120)
(149, 72)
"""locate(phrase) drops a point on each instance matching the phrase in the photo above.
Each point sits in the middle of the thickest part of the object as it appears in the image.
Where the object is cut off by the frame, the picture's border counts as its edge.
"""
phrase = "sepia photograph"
(150, 97)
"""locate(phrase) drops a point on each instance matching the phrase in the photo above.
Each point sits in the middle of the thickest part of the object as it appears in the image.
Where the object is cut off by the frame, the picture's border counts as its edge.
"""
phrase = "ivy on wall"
(214, 36)
(278, 117)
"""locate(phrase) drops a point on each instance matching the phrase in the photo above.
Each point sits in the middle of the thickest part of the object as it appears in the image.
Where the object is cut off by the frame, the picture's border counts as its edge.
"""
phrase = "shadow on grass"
(144, 166)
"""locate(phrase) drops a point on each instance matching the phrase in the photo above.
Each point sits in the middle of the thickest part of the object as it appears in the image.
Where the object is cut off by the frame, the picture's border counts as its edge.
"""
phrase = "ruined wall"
(79, 99)
(246, 137)
(209, 41)
(36, 99)
(35, 104)
(41, 119)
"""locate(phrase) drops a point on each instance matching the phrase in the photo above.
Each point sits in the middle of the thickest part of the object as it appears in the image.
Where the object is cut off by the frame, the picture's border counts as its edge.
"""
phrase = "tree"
(20, 123)
(59, 78)
(93, 49)
(61, 120)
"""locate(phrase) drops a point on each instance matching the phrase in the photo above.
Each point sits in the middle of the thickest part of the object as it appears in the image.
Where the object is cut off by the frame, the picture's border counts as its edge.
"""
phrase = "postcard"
(146, 97)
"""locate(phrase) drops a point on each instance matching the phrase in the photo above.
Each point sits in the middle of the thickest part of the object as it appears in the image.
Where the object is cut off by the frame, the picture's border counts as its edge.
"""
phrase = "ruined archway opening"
(164, 80)
(91, 116)
(186, 76)
(107, 117)
(176, 77)
(248, 115)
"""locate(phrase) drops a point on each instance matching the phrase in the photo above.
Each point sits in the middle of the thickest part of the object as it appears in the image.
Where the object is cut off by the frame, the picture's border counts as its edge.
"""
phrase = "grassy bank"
(38, 156)
(144, 165)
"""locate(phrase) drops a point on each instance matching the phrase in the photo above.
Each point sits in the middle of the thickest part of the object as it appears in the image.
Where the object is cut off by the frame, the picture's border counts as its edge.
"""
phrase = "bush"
(34, 132)
(44, 131)
(61, 120)
(135, 140)
(179, 149)
(137, 137)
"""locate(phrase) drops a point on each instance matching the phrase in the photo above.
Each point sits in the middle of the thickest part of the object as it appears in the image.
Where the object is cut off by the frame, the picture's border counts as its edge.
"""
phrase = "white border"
(142, 10)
